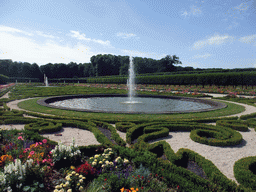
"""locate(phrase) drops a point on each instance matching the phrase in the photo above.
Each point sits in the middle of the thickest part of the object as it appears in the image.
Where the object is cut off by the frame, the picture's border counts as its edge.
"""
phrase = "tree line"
(100, 65)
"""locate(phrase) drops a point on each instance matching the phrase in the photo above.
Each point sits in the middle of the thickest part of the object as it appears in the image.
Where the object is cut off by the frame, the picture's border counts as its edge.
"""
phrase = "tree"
(36, 72)
(167, 63)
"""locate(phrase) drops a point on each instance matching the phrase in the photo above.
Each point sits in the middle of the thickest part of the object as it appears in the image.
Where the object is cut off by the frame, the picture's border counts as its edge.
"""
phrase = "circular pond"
(120, 104)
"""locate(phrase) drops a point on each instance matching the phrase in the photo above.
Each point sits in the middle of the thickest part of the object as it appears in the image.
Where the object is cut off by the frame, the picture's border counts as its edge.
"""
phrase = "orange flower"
(4, 158)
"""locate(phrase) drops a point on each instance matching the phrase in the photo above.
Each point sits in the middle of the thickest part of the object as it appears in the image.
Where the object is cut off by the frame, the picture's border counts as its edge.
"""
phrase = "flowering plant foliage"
(74, 182)
(86, 169)
(71, 153)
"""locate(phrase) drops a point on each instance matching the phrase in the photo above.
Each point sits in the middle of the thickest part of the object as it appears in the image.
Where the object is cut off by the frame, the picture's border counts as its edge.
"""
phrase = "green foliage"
(244, 171)
(124, 126)
(3, 79)
(234, 124)
(43, 127)
(219, 79)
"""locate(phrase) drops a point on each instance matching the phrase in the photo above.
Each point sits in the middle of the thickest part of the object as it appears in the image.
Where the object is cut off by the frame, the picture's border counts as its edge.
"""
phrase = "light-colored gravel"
(82, 137)
(8, 127)
(222, 157)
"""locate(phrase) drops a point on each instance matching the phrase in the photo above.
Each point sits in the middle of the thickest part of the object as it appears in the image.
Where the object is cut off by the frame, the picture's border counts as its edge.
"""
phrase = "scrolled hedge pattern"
(124, 126)
(238, 125)
(44, 126)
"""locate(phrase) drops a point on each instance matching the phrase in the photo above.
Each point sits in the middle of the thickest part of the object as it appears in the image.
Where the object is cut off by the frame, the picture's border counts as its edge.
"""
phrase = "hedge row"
(205, 134)
(234, 124)
(245, 170)
(221, 79)
(3, 79)
(43, 127)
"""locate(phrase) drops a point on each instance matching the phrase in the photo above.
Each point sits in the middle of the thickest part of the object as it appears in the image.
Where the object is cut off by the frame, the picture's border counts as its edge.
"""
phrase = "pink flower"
(45, 160)
(20, 138)
(40, 143)
(32, 152)
(36, 144)
(25, 151)
(20, 156)
(50, 152)
(49, 160)
(44, 140)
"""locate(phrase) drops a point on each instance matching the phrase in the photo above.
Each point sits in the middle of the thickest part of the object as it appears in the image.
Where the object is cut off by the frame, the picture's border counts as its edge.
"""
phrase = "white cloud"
(214, 40)
(248, 39)
(143, 54)
(202, 56)
(44, 35)
(126, 35)
(27, 49)
(77, 35)
(13, 30)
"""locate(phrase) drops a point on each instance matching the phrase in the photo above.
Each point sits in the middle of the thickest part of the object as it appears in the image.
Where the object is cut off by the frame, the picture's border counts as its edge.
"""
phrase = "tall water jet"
(131, 81)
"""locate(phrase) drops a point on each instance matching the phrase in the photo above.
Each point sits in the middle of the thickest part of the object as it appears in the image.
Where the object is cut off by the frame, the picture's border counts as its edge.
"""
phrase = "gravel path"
(222, 157)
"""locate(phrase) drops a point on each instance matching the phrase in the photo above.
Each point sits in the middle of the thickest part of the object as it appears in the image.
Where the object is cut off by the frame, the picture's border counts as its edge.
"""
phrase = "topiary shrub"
(234, 124)
(44, 127)
(244, 171)
(124, 126)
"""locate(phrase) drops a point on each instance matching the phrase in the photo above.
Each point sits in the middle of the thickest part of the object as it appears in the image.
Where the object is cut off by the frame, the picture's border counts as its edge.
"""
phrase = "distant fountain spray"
(46, 82)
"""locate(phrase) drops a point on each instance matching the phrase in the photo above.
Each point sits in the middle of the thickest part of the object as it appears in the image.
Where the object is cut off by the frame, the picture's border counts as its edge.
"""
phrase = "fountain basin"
(144, 104)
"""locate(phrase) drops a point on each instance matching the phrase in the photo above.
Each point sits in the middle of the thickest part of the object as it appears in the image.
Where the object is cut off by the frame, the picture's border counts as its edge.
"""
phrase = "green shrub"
(124, 126)
(234, 124)
(44, 127)
(244, 171)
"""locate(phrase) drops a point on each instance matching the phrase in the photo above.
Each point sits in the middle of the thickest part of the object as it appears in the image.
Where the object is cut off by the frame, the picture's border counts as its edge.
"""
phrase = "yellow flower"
(78, 184)
(81, 188)
(72, 167)
(73, 172)
(69, 190)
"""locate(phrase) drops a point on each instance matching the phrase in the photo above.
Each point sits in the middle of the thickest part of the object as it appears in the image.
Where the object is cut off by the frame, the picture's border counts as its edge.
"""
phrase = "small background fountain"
(46, 82)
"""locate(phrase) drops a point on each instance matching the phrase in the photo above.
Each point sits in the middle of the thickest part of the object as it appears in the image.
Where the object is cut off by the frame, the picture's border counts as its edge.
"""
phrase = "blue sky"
(203, 34)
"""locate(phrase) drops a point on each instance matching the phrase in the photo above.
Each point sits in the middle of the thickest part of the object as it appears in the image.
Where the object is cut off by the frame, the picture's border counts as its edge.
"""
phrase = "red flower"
(141, 187)
(142, 177)
(139, 176)
(156, 175)
(105, 179)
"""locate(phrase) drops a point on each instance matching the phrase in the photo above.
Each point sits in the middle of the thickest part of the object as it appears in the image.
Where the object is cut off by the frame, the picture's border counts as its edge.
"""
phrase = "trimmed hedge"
(245, 171)
(43, 127)
(115, 136)
(234, 124)
(3, 79)
(222, 136)
(124, 126)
